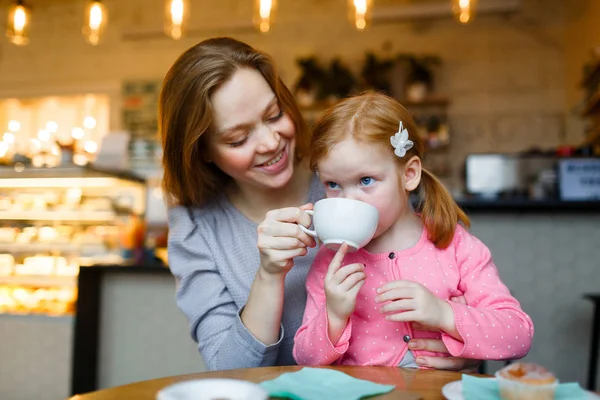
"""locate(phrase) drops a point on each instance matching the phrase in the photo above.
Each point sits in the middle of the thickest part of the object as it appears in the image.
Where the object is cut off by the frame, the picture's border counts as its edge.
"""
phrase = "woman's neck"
(254, 203)
(402, 235)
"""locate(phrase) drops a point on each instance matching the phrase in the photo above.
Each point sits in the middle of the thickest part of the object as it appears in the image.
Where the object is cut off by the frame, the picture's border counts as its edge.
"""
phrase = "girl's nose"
(352, 194)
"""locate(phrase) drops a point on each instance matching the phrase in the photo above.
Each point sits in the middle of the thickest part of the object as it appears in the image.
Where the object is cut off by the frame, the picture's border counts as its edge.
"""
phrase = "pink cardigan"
(492, 325)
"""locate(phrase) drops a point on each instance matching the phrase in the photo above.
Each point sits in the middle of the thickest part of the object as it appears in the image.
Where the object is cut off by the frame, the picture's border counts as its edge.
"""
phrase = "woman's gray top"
(214, 256)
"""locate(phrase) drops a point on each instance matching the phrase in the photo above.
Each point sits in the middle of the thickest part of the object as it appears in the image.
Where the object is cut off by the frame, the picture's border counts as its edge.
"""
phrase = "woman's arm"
(215, 322)
(280, 239)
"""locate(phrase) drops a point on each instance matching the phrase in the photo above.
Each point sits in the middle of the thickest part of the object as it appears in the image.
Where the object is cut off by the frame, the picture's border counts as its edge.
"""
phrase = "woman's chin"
(280, 180)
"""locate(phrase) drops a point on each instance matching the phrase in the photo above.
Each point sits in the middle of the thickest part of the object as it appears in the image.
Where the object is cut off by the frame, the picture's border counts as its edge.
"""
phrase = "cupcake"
(526, 381)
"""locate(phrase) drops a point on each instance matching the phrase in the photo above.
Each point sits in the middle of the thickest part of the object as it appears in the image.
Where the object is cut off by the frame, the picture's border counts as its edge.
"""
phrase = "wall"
(36, 357)
(582, 34)
(505, 76)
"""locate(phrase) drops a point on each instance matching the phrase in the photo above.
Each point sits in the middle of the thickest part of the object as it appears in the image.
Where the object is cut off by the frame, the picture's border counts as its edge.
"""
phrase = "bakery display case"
(54, 221)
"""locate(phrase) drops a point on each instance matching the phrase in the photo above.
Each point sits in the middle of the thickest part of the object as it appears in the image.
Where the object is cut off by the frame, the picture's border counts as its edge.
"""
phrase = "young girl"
(398, 287)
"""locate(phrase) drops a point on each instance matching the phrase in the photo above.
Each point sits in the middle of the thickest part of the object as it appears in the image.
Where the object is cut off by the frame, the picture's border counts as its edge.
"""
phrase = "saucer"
(453, 391)
(208, 389)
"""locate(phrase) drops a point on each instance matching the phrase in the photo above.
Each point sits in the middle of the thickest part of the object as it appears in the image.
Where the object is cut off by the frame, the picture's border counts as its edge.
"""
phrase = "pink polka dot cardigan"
(492, 324)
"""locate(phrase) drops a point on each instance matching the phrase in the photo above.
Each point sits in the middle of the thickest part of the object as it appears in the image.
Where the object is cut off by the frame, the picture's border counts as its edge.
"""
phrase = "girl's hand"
(411, 302)
(341, 287)
(437, 345)
(280, 239)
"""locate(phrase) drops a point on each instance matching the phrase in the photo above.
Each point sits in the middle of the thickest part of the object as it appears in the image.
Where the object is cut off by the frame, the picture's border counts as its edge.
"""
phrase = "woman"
(234, 150)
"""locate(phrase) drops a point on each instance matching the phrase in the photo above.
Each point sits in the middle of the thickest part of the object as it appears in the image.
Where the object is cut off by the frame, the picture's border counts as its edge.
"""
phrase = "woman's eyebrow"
(246, 124)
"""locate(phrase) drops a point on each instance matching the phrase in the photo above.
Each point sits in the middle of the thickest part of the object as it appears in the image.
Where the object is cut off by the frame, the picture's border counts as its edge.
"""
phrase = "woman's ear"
(412, 173)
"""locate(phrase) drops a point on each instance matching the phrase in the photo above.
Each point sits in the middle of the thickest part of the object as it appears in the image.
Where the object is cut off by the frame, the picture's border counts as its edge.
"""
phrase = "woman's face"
(252, 139)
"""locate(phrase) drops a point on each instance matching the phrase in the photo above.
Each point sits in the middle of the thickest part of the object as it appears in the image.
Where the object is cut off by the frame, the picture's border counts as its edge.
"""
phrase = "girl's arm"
(492, 325)
(312, 344)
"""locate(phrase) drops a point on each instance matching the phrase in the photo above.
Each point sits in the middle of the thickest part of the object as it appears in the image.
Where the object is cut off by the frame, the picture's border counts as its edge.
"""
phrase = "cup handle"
(306, 230)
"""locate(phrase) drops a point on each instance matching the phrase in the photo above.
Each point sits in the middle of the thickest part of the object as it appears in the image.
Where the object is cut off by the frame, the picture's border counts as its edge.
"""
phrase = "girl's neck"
(254, 203)
(403, 234)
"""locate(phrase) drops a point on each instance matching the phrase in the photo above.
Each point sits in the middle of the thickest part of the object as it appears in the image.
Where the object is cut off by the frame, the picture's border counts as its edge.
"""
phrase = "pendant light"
(176, 13)
(464, 10)
(17, 27)
(94, 22)
(359, 13)
(264, 12)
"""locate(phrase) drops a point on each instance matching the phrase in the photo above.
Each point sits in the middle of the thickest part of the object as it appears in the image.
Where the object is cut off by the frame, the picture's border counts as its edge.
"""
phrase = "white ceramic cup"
(210, 389)
(338, 220)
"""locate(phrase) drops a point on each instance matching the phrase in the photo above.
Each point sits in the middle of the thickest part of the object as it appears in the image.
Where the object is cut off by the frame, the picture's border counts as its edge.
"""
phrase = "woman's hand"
(280, 239)
(448, 363)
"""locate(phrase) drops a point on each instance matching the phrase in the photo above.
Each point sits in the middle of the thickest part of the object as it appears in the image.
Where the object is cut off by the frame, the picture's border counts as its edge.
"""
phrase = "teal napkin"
(475, 388)
(322, 383)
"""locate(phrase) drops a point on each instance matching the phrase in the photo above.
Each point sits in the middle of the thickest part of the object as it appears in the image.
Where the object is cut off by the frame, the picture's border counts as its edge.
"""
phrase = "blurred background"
(506, 93)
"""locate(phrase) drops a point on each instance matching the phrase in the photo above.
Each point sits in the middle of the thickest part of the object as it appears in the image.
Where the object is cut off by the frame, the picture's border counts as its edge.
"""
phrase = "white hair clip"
(400, 141)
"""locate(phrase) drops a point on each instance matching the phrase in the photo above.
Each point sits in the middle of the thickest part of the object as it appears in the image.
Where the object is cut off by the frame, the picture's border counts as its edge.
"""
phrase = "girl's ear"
(412, 173)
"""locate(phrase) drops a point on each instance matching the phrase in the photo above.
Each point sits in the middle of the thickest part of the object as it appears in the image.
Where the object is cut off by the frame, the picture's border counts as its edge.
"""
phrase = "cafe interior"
(506, 94)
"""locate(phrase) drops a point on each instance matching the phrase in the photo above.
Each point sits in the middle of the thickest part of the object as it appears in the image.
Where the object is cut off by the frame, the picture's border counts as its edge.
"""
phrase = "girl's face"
(252, 139)
(361, 171)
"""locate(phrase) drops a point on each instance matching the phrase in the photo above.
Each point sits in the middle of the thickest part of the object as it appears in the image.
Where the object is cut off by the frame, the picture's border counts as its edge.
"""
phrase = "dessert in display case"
(54, 221)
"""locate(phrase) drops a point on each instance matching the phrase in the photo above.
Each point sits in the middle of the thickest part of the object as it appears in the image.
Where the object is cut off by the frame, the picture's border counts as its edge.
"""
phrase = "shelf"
(74, 216)
(81, 174)
(433, 101)
(41, 317)
(14, 248)
(39, 280)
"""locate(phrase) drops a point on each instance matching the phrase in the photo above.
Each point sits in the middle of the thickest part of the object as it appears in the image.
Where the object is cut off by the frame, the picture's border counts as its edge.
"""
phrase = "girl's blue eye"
(366, 181)
(332, 185)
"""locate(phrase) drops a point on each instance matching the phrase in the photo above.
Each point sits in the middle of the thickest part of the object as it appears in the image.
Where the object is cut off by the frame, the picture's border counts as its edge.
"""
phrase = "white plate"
(209, 389)
(453, 391)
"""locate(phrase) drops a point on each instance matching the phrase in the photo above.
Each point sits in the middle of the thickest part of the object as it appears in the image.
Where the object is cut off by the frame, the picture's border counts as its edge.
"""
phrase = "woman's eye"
(332, 185)
(239, 142)
(276, 117)
(366, 181)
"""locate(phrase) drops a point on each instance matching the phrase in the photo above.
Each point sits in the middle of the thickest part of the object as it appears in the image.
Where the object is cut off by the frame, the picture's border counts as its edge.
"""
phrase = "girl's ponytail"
(439, 211)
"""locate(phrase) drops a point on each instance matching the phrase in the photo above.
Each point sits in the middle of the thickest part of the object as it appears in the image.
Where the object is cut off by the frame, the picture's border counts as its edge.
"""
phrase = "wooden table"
(426, 383)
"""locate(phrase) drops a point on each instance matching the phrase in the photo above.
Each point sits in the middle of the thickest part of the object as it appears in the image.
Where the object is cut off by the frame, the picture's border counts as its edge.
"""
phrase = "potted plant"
(341, 82)
(419, 81)
(376, 73)
(311, 86)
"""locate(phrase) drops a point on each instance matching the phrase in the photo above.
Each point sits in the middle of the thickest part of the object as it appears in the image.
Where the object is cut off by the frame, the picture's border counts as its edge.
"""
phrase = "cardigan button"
(391, 255)
(406, 338)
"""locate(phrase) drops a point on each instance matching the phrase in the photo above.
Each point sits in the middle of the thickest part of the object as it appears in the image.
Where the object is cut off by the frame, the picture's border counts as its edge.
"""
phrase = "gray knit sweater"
(213, 255)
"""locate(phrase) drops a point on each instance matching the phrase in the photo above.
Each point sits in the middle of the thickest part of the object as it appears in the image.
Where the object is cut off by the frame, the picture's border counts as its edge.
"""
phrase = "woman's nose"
(268, 140)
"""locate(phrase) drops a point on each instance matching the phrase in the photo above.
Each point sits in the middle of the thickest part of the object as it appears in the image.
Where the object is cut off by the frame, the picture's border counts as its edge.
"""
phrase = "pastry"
(526, 381)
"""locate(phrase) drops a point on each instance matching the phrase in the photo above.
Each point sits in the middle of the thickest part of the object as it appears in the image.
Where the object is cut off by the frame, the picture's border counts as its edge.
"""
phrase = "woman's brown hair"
(374, 118)
(185, 115)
